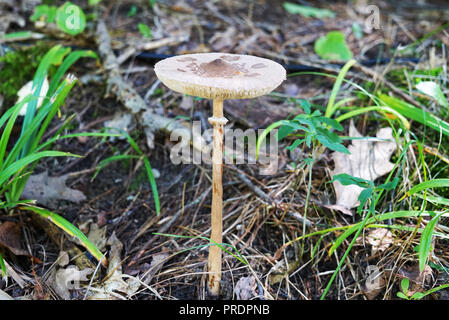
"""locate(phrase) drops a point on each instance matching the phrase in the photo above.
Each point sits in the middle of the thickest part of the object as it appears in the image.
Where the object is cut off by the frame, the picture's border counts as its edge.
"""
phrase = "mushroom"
(219, 76)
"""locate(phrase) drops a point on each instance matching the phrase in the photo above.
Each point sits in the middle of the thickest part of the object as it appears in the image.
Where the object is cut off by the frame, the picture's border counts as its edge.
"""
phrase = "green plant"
(370, 195)
(414, 113)
(310, 128)
(426, 238)
(403, 294)
(69, 17)
(144, 30)
(132, 11)
(18, 163)
(333, 47)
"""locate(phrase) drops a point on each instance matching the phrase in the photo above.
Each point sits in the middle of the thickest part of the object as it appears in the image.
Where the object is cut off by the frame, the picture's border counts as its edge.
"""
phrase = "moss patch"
(18, 67)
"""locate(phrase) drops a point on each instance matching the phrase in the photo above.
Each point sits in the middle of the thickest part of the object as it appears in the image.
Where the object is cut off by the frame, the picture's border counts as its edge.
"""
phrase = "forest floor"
(262, 213)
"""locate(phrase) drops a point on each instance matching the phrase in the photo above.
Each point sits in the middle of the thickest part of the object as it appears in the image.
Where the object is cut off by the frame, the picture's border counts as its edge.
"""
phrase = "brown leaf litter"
(44, 189)
(368, 160)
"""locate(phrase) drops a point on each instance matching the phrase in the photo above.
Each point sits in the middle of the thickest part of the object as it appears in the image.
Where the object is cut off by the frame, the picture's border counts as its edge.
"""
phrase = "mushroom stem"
(214, 262)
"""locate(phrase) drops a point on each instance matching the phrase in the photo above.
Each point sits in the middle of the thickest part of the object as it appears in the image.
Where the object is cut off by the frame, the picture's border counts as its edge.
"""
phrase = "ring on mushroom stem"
(219, 76)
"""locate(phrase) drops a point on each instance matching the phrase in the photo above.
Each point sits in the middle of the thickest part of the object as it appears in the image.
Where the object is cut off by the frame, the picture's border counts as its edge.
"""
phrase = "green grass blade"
(22, 35)
(108, 160)
(435, 199)
(330, 109)
(383, 109)
(8, 128)
(66, 64)
(153, 185)
(70, 229)
(62, 92)
(435, 183)
(17, 166)
(416, 114)
(377, 218)
(49, 142)
(50, 57)
(28, 135)
(425, 244)
(261, 138)
(2, 265)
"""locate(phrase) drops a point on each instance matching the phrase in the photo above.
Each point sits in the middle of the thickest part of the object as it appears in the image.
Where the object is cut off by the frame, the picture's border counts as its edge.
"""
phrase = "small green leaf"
(2, 266)
(308, 140)
(404, 285)
(308, 161)
(333, 47)
(71, 19)
(346, 180)
(332, 123)
(402, 296)
(295, 144)
(425, 244)
(284, 131)
(389, 185)
(305, 105)
(418, 296)
(43, 11)
(145, 30)
(132, 11)
(94, 2)
(364, 196)
(307, 11)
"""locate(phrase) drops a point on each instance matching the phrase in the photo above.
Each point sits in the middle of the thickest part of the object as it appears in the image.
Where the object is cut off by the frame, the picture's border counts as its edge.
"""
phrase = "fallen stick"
(129, 97)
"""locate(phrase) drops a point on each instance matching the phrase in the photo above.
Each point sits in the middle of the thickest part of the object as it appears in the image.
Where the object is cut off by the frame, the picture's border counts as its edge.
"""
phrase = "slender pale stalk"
(214, 262)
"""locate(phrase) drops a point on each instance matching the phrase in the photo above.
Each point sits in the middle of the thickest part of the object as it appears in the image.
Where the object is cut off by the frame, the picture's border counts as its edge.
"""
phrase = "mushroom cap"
(220, 75)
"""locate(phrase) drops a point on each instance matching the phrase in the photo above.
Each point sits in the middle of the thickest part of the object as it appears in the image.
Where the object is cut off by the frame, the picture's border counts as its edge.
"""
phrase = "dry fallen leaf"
(66, 279)
(156, 264)
(115, 287)
(380, 239)
(97, 236)
(374, 283)
(246, 288)
(368, 160)
(5, 296)
(63, 259)
(10, 237)
(44, 189)
(121, 121)
(186, 102)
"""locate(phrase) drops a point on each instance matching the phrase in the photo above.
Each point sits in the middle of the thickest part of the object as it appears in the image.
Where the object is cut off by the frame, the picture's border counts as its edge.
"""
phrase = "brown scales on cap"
(219, 68)
(220, 76)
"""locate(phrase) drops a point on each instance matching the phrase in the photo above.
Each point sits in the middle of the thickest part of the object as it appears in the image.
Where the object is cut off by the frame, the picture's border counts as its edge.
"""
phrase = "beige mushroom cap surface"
(220, 75)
